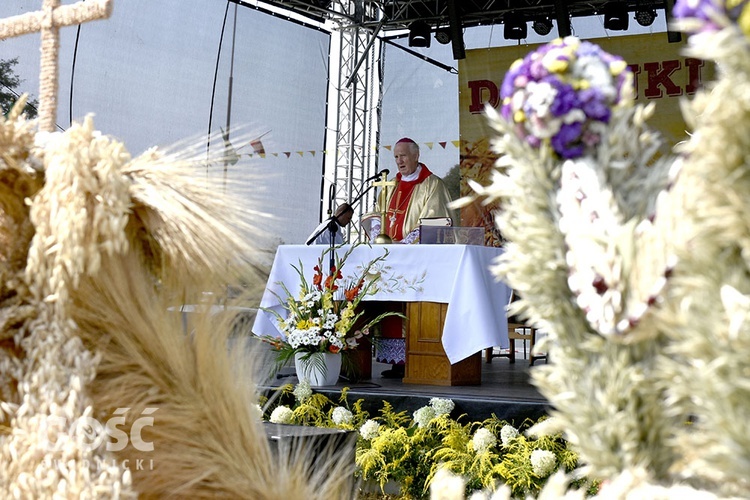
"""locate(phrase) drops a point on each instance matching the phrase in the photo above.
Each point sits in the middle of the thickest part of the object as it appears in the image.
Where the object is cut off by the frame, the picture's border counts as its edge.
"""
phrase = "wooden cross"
(48, 21)
(384, 183)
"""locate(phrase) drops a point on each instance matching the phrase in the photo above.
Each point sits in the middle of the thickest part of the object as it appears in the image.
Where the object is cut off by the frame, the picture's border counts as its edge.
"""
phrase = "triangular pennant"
(287, 153)
(257, 146)
(387, 147)
(430, 144)
(456, 143)
(312, 153)
(301, 153)
(442, 144)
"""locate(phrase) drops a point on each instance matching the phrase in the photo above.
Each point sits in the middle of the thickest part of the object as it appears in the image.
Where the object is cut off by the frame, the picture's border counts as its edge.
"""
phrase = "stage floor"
(505, 391)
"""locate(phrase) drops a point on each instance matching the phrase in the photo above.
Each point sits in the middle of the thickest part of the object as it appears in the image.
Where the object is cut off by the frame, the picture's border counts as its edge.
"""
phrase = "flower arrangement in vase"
(323, 320)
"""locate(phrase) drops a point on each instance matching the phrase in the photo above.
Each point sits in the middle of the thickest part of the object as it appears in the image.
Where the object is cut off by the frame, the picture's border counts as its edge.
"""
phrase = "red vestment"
(400, 201)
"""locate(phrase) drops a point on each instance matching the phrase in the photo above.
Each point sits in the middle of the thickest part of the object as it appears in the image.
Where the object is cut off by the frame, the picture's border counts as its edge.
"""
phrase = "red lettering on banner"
(478, 89)
(694, 67)
(636, 69)
(663, 79)
(659, 75)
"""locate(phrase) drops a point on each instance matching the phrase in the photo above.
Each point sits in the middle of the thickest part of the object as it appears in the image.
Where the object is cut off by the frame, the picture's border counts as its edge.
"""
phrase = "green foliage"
(452, 181)
(9, 82)
(410, 451)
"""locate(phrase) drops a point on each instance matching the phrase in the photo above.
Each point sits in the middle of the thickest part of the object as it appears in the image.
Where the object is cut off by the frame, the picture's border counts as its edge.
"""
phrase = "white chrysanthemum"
(507, 434)
(483, 440)
(302, 391)
(341, 415)
(543, 462)
(424, 415)
(369, 430)
(281, 415)
(442, 406)
(447, 486)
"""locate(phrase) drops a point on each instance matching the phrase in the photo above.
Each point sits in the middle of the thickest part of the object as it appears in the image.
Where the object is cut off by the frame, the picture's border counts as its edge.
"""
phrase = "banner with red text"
(662, 75)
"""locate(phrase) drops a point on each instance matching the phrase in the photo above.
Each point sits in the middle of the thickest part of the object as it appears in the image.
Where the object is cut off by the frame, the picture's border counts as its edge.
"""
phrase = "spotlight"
(515, 27)
(443, 35)
(616, 16)
(645, 17)
(542, 26)
(419, 34)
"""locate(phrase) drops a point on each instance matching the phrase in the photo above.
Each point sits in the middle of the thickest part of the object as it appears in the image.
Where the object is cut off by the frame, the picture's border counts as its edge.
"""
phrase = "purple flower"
(566, 98)
(567, 141)
(506, 89)
(703, 10)
(594, 105)
(555, 95)
(697, 9)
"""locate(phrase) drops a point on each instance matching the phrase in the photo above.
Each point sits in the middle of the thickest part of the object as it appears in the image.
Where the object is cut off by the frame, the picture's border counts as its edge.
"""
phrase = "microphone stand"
(333, 223)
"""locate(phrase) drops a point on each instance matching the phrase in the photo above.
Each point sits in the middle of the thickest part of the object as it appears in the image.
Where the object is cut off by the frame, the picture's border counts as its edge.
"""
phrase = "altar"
(455, 306)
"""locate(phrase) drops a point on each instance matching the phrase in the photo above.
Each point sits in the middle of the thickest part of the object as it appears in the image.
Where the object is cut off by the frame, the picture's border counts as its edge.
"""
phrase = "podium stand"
(426, 361)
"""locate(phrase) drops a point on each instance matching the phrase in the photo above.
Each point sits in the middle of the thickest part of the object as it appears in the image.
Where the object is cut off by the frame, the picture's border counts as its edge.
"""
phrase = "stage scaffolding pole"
(356, 127)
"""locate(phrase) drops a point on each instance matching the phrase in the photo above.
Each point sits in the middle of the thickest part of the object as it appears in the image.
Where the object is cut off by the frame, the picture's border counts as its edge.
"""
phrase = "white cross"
(48, 21)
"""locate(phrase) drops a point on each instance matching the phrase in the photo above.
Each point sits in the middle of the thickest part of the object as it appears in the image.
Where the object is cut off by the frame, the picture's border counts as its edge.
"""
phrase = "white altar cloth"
(457, 275)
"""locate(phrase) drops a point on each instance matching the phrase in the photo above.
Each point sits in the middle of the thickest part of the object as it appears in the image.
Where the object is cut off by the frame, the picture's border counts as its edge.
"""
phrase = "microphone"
(373, 177)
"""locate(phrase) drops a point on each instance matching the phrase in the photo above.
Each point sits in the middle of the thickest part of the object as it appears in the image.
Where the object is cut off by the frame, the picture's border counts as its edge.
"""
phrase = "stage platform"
(505, 391)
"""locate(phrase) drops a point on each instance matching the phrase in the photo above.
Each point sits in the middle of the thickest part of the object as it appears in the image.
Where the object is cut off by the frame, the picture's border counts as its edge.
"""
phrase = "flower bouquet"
(324, 315)
(562, 95)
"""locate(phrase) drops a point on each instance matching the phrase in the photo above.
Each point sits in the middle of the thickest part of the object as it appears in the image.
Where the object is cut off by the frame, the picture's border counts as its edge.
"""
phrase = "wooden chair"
(517, 330)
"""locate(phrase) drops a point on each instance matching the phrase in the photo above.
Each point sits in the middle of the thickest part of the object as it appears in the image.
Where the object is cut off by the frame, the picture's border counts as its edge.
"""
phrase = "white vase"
(320, 369)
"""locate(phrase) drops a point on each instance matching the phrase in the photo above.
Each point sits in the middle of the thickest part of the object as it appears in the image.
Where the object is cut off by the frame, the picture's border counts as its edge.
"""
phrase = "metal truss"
(398, 14)
(357, 123)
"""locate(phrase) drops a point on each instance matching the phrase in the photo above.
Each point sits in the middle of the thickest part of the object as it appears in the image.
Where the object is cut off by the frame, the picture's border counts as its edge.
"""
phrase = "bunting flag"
(259, 150)
(230, 154)
(258, 147)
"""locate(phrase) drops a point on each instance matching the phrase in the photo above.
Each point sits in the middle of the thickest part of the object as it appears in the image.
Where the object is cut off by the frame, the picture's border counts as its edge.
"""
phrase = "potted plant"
(323, 319)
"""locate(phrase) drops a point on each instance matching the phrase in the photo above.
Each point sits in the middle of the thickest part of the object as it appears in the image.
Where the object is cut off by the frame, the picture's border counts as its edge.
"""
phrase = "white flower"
(507, 434)
(303, 391)
(369, 429)
(483, 440)
(281, 415)
(446, 486)
(543, 462)
(256, 411)
(424, 415)
(341, 415)
(442, 406)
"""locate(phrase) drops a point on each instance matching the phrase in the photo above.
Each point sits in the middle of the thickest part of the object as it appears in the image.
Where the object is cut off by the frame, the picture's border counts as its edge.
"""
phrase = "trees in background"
(9, 82)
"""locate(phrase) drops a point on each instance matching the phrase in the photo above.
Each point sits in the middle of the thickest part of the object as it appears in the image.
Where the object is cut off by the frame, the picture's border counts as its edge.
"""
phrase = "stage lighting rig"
(515, 26)
(419, 34)
(443, 36)
(542, 26)
(616, 16)
(645, 17)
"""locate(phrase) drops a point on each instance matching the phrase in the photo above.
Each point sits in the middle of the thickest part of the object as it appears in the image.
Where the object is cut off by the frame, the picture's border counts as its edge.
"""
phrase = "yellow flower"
(617, 67)
(327, 301)
(304, 324)
(557, 66)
